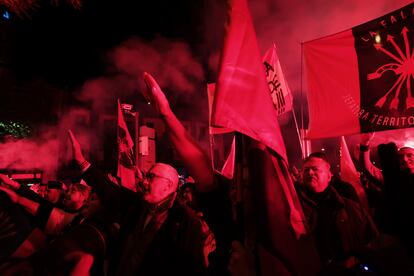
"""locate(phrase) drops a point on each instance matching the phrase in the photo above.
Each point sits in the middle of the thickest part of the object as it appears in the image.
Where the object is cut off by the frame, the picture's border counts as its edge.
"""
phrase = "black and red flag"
(361, 80)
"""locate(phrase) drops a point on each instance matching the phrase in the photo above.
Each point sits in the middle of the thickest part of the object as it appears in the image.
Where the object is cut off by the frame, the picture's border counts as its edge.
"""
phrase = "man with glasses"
(159, 183)
(158, 235)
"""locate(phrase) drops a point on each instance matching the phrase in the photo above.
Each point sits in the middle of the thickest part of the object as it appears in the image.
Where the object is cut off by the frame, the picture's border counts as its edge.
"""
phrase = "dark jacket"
(176, 248)
(15, 227)
(399, 191)
(339, 226)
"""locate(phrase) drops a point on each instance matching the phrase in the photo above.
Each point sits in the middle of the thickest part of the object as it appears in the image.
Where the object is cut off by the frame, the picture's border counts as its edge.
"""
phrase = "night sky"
(67, 46)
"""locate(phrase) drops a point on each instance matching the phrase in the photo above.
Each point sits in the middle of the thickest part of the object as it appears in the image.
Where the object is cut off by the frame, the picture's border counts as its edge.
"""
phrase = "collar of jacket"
(162, 206)
(328, 197)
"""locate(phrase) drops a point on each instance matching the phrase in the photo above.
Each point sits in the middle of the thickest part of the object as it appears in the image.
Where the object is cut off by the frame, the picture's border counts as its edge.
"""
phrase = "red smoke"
(171, 62)
(48, 148)
(26, 154)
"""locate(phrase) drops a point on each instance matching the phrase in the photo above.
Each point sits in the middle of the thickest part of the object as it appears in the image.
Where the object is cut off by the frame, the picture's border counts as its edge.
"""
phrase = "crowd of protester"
(95, 226)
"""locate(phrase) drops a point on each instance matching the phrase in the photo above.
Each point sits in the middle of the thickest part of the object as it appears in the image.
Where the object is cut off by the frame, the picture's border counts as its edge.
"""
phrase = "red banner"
(360, 80)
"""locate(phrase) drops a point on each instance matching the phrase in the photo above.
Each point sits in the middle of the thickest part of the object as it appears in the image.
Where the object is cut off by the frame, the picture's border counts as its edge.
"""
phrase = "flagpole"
(302, 133)
(211, 149)
(298, 132)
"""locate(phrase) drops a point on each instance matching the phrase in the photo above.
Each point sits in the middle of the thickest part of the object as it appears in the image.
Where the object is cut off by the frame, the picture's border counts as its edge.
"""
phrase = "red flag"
(211, 89)
(349, 173)
(227, 169)
(282, 251)
(279, 89)
(126, 163)
(359, 80)
(229, 165)
(243, 101)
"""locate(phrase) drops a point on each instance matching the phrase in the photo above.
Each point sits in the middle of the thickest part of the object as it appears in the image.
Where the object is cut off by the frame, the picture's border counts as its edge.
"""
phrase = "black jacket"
(176, 248)
(339, 226)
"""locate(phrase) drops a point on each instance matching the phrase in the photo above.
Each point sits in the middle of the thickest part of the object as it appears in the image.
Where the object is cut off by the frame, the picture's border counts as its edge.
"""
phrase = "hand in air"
(155, 96)
(76, 149)
(366, 138)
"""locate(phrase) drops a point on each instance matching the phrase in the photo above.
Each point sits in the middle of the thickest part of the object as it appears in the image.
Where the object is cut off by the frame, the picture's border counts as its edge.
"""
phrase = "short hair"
(318, 154)
(85, 190)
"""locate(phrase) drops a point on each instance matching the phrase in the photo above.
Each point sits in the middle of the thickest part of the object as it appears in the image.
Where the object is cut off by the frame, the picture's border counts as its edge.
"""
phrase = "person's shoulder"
(354, 209)
(180, 209)
(345, 189)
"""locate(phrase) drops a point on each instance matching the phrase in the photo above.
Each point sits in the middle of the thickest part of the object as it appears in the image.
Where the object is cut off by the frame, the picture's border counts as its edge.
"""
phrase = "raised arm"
(111, 194)
(22, 190)
(364, 157)
(77, 153)
(187, 148)
(30, 205)
(8, 182)
(50, 219)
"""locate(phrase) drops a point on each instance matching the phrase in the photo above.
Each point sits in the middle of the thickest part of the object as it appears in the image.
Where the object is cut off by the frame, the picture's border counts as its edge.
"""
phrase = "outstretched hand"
(155, 96)
(366, 138)
(11, 194)
(77, 154)
(8, 183)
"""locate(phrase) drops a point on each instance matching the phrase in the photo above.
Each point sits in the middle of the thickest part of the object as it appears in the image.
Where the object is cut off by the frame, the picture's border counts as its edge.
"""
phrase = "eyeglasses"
(150, 176)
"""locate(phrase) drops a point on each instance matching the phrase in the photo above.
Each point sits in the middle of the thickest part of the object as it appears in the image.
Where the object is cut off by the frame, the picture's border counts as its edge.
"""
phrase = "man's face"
(75, 199)
(52, 195)
(316, 174)
(158, 184)
(406, 156)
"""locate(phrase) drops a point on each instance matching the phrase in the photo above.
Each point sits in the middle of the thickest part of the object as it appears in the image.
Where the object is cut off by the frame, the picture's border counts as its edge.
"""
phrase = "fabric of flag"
(360, 80)
(126, 162)
(281, 250)
(279, 89)
(229, 165)
(211, 88)
(227, 169)
(243, 103)
(350, 174)
(242, 99)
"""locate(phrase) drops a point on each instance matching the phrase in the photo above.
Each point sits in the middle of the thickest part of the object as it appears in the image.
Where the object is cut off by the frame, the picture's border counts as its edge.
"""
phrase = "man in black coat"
(158, 235)
(339, 226)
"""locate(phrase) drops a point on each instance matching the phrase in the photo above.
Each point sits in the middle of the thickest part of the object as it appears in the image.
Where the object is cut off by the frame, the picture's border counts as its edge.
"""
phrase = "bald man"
(159, 183)
(158, 235)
